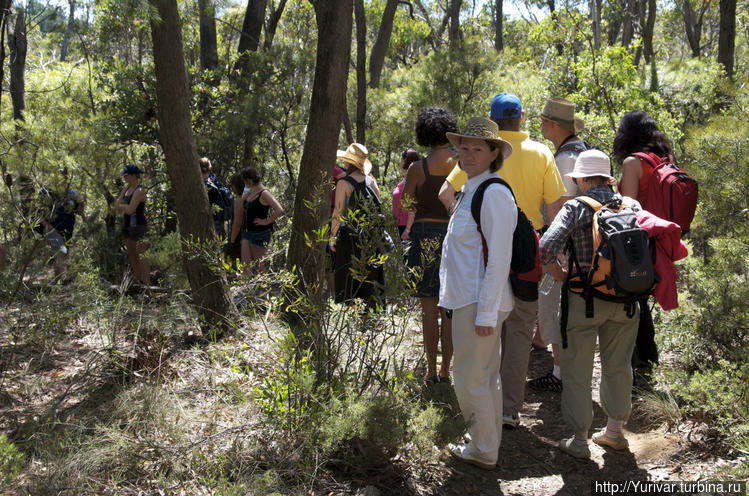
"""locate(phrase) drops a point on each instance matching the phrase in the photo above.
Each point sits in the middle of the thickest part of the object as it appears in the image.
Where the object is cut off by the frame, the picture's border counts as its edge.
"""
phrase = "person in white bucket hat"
(610, 324)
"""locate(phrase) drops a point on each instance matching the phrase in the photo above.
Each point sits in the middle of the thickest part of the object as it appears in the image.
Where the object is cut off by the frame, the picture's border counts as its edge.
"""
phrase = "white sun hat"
(592, 163)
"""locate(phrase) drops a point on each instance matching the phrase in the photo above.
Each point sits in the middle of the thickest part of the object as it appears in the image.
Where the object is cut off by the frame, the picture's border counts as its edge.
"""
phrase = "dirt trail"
(531, 464)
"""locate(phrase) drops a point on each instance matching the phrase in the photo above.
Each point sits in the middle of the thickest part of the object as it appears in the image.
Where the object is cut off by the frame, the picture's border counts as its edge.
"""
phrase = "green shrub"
(11, 461)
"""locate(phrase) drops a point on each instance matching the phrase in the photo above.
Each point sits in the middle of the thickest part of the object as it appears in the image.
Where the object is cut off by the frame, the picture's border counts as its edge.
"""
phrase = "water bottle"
(547, 282)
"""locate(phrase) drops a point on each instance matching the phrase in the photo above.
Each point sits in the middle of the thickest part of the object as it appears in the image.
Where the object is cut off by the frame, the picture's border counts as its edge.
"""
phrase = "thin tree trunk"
(324, 125)
(499, 42)
(251, 30)
(692, 26)
(647, 33)
(272, 25)
(176, 137)
(454, 15)
(17, 45)
(380, 47)
(595, 20)
(208, 39)
(361, 71)
(68, 32)
(727, 35)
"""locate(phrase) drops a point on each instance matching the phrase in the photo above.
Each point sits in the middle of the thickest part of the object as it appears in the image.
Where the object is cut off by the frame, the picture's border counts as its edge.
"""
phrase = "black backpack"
(363, 214)
(525, 266)
(225, 201)
(622, 269)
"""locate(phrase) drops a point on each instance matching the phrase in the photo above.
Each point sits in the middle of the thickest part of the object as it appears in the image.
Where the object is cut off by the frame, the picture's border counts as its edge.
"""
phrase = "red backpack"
(672, 193)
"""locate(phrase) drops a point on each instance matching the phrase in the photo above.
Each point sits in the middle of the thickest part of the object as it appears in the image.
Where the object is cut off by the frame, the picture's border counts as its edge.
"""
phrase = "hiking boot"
(617, 443)
(576, 450)
(463, 453)
(510, 422)
(549, 382)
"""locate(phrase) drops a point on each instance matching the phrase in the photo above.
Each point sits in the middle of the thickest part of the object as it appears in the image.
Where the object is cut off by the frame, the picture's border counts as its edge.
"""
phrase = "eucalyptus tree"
(727, 35)
(176, 136)
(334, 26)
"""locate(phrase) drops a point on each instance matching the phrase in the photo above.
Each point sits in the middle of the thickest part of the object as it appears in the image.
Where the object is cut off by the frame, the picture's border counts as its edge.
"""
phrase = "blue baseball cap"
(506, 106)
(131, 169)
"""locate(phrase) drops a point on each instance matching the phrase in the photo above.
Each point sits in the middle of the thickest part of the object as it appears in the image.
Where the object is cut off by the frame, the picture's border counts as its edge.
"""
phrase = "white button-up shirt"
(463, 277)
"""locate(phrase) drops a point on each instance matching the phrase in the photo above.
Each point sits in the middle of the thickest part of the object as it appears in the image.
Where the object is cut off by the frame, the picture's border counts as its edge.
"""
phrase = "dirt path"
(531, 464)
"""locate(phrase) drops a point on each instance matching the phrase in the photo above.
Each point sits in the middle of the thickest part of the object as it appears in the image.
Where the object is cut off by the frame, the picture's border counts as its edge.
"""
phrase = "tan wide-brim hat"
(592, 163)
(481, 128)
(356, 154)
(562, 112)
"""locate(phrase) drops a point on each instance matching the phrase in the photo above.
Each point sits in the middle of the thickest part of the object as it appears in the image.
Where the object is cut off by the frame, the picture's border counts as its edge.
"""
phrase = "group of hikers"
(488, 213)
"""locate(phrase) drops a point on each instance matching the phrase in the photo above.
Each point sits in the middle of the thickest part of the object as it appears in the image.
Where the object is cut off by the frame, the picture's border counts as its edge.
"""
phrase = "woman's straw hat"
(356, 154)
(562, 112)
(592, 163)
(482, 128)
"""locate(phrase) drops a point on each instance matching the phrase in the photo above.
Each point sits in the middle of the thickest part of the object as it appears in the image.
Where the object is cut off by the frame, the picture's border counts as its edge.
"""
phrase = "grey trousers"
(517, 334)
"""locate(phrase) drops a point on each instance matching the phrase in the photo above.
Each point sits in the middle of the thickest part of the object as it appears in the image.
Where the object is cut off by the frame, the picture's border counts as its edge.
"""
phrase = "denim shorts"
(425, 253)
(258, 238)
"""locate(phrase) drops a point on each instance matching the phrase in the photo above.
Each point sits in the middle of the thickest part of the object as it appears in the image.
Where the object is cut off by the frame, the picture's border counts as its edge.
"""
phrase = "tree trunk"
(270, 28)
(17, 45)
(630, 16)
(176, 137)
(727, 35)
(251, 29)
(68, 32)
(380, 48)
(647, 32)
(692, 27)
(361, 71)
(453, 34)
(595, 20)
(499, 42)
(208, 43)
(324, 125)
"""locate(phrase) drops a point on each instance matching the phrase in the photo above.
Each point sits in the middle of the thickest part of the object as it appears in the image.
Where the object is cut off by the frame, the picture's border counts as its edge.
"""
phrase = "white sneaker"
(463, 453)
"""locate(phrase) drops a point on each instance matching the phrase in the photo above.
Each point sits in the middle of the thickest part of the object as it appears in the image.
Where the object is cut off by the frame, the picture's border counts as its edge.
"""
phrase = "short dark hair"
(250, 174)
(512, 124)
(409, 156)
(638, 132)
(432, 124)
(237, 184)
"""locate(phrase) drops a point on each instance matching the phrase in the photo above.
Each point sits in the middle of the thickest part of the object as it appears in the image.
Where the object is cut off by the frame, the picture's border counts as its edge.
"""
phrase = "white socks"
(614, 428)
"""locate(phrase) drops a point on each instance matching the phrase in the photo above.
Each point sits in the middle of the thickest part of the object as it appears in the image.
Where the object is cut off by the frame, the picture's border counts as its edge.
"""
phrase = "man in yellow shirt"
(533, 176)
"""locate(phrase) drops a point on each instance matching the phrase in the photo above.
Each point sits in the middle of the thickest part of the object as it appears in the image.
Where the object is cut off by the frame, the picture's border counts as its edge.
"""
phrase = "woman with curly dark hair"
(420, 196)
(638, 132)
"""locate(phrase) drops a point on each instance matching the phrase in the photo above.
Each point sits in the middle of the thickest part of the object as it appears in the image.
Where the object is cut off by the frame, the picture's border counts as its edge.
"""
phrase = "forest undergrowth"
(102, 395)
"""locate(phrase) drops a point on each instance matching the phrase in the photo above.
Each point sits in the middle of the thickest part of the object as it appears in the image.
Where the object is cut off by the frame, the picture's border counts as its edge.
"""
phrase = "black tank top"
(139, 217)
(253, 209)
(428, 204)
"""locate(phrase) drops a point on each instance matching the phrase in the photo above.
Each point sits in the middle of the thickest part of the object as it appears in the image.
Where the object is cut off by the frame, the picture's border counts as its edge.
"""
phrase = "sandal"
(546, 383)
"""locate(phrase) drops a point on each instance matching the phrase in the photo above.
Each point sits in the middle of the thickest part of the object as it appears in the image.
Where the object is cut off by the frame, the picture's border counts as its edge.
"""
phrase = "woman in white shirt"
(475, 285)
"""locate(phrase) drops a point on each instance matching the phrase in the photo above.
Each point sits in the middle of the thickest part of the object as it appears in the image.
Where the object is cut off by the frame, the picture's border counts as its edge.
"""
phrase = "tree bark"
(647, 32)
(499, 42)
(208, 43)
(361, 71)
(630, 16)
(326, 106)
(727, 35)
(453, 33)
(17, 45)
(595, 20)
(693, 25)
(251, 30)
(380, 47)
(176, 137)
(270, 28)
(68, 32)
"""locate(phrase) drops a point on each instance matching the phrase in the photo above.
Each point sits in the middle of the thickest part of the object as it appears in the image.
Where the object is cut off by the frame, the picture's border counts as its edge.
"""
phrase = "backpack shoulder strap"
(595, 205)
(651, 159)
(478, 197)
(353, 182)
